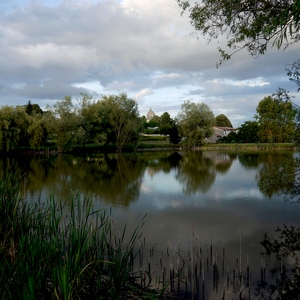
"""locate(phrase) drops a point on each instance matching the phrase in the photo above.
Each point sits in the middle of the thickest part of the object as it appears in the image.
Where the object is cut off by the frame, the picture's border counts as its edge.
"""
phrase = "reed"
(62, 249)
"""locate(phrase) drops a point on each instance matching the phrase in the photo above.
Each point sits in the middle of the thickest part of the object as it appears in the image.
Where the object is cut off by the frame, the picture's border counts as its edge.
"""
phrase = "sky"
(145, 48)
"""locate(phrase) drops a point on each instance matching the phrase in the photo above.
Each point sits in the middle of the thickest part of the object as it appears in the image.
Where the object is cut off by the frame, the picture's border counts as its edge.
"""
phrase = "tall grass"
(63, 250)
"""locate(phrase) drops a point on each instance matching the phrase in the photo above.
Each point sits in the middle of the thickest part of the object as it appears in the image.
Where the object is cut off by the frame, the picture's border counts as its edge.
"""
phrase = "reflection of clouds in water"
(145, 188)
(162, 205)
(241, 193)
(165, 190)
(162, 182)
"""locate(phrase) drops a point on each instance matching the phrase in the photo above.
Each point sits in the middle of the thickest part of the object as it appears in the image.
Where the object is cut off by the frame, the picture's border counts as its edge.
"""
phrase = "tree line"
(115, 120)
(277, 120)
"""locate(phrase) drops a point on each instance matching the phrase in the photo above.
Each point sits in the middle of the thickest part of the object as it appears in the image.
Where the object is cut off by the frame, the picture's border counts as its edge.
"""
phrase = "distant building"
(150, 115)
(219, 132)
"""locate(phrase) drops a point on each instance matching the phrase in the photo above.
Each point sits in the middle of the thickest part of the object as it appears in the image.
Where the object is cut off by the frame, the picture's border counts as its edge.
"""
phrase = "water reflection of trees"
(249, 160)
(222, 160)
(276, 174)
(163, 163)
(197, 172)
(115, 178)
(279, 174)
(284, 248)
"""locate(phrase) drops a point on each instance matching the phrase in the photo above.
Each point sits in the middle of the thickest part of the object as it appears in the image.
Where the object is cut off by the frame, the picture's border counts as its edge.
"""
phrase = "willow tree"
(120, 119)
(14, 122)
(248, 24)
(63, 122)
(37, 130)
(196, 122)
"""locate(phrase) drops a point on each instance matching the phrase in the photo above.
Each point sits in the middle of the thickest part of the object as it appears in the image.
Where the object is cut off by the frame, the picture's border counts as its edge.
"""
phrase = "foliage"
(89, 121)
(13, 127)
(252, 25)
(63, 123)
(195, 123)
(232, 137)
(284, 246)
(294, 73)
(32, 109)
(120, 119)
(223, 121)
(174, 134)
(166, 123)
(37, 130)
(63, 249)
(275, 116)
(248, 131)
(154, 122)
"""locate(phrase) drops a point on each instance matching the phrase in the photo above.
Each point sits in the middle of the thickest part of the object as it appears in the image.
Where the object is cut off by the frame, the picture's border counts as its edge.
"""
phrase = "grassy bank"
(64, 250)
(151, 143)
(251, 146)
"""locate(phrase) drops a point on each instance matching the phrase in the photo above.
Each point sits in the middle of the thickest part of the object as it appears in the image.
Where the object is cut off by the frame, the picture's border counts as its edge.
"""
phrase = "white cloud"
(139, 97)
(49, 49)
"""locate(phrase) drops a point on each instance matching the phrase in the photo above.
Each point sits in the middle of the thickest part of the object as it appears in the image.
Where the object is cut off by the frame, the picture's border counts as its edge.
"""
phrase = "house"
(220, 132)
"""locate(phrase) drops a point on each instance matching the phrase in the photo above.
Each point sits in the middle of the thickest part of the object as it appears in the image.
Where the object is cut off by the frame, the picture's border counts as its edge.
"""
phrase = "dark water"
(206, 214)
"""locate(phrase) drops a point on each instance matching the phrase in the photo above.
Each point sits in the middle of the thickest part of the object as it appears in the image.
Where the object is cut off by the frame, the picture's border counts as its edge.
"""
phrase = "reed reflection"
(282, 248)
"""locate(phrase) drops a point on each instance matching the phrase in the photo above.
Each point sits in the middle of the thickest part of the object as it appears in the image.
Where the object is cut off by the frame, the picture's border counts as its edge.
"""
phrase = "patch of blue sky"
(11, 5)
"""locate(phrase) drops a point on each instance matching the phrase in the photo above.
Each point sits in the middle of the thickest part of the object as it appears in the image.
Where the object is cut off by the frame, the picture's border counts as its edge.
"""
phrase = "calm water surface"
(212, 208)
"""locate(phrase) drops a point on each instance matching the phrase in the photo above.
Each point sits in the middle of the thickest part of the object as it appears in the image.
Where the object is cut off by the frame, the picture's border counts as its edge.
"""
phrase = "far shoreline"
(233, 147)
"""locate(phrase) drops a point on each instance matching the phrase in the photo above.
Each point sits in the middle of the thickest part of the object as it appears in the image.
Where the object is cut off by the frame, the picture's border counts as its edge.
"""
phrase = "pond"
(205, 214)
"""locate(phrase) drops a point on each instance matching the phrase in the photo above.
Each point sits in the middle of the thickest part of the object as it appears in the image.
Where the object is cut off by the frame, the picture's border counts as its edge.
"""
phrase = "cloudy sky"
(145, 48)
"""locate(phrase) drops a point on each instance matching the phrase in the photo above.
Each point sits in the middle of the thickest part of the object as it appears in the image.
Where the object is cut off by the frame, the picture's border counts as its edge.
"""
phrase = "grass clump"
(63, 250)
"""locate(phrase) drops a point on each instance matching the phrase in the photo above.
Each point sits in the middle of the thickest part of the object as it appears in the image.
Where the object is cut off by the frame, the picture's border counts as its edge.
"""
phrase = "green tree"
(174, 134)
(14, 122)
(165, 123)
(20, 123)
(9, 136)
(165, 119)
(120, 119)
(37, 130)
(232, 137)
(223, 121)
(275, 117)
(33, 108)
(252, 25)
(63, 123)
(89, 130)
(248, 132)
(196, 122)
(144, 123)
(154, 122)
